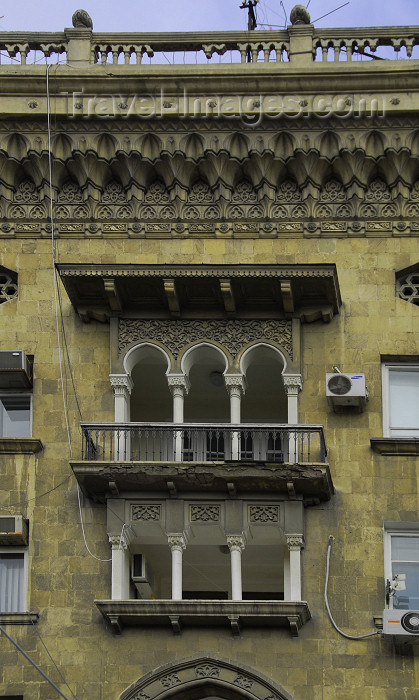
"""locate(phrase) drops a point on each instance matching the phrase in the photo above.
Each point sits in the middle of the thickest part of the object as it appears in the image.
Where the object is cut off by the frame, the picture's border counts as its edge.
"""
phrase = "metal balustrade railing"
(194, 442)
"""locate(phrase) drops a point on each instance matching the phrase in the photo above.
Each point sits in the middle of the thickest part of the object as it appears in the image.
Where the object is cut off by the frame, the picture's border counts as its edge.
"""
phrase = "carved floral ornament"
(200, 671)
(176, 335)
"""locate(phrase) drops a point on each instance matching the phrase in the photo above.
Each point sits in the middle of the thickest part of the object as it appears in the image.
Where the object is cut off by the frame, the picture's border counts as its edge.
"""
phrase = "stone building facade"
(209, 364)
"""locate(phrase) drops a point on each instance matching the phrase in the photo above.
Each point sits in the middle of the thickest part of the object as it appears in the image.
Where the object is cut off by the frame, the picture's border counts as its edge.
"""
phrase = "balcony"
(178, 613)
(285, 458)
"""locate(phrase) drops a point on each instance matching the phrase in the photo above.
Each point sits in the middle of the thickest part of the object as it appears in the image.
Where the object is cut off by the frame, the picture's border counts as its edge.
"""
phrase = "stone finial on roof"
(299, 15)
(82, 20)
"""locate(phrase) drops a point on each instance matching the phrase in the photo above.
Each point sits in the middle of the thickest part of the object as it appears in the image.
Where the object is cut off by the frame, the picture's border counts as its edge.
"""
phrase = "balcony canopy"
(308, 292)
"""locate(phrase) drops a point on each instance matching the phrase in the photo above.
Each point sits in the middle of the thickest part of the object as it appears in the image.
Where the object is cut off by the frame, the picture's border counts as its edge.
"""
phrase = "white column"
(120, 567)
(179, 386)
(236, 545)
(177, 543)
(292, 384)
(122, 385)
(292, 571)
(236, 387)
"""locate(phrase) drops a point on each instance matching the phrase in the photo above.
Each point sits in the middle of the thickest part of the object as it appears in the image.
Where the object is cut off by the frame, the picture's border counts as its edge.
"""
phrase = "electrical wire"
(57, 305)
(347, 636)
(44, 675)
(46, 649)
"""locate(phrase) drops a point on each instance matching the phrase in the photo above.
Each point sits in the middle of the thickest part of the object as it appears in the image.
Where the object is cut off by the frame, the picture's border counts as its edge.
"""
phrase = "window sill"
(12, 446)
(179, 613)
(403, 446)
(18, 618)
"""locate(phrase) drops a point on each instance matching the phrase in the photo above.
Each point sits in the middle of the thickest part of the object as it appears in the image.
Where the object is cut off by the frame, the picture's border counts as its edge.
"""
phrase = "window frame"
(10, 395)
(24, 551)
(386, 369)
(395, 529)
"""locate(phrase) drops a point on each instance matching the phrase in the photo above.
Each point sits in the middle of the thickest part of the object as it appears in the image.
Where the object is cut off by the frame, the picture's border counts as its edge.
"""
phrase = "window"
(401, 400)
(13, 583)
(15, 416)
(402, 560)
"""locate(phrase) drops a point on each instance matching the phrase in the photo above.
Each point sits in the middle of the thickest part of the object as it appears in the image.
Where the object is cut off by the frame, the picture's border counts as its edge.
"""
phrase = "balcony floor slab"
(311, 481)
(180, 613)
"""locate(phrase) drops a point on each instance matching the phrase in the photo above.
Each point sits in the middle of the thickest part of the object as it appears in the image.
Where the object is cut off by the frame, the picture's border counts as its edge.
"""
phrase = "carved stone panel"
(146, 512)
(204, 513)
(264, 514)
(233, 334)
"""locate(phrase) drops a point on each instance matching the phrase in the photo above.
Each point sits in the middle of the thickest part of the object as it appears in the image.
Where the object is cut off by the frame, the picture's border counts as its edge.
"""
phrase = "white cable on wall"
(347, 636)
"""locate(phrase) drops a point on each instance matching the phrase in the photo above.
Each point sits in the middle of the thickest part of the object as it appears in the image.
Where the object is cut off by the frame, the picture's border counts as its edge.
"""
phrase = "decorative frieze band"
(176, 334)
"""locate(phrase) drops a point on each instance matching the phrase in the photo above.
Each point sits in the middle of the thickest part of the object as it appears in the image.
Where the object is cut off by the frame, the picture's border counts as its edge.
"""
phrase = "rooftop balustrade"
(298, 44)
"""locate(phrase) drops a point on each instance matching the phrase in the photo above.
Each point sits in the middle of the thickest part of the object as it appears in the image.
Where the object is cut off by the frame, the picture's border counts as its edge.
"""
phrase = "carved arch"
(141, 350)
(205, 672)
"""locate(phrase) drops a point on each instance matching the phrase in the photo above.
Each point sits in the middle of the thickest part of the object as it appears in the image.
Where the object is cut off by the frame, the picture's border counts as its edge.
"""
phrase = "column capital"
(293, 383)
(177, 541)
(121, 384)
(178, 384)
(235, 384)
(295, 542)
(236, 543)
(119, 541)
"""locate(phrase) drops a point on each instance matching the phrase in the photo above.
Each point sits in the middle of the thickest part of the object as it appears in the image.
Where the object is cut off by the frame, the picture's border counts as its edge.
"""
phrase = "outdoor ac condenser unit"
(16, 370)
(142, 576)
(346, 390)
(13, 530)
(402, 624)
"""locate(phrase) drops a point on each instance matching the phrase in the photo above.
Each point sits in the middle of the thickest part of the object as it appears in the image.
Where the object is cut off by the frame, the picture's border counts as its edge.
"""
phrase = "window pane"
(11, 582)
(404, 402)
(405, 548)
(408, 599)
(15, 416)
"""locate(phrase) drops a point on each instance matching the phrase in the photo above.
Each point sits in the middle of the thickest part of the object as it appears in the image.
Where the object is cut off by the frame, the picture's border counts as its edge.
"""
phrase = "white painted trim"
(398, 529)
(386, 368)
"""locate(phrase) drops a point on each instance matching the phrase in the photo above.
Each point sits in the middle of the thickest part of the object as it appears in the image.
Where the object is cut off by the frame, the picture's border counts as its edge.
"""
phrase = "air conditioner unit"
(142, 576)
(13, 530)
(16, 370)
(346, 391)
(403, 624)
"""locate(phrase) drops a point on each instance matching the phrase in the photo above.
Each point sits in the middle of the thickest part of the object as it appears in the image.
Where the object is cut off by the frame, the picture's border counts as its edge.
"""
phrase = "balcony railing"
(194, 442)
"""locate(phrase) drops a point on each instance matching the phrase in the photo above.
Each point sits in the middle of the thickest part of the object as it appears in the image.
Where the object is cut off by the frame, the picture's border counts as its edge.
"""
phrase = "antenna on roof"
(251, 17)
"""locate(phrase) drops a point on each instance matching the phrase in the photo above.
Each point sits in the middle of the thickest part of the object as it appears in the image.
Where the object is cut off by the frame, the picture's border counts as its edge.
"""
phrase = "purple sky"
(200, 15)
